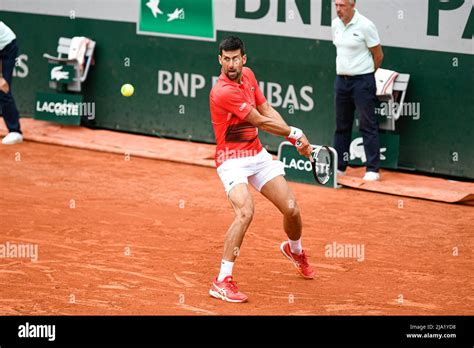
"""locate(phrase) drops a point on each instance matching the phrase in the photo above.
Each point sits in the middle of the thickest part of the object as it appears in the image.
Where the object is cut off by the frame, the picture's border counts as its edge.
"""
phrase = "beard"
(233, 74)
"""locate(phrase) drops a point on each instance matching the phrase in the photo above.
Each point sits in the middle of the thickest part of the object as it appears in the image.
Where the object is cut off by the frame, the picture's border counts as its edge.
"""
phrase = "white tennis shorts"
(258, 170)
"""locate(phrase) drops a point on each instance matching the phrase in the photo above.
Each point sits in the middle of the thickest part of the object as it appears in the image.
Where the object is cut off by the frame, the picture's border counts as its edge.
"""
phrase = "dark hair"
(231, 43)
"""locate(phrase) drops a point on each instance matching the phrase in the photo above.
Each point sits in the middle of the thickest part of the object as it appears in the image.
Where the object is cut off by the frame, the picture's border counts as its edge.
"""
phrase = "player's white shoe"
(371, 176)
(12, 138)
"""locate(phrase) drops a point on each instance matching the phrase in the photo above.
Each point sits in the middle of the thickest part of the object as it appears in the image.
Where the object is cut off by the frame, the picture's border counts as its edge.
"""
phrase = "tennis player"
(238, 110)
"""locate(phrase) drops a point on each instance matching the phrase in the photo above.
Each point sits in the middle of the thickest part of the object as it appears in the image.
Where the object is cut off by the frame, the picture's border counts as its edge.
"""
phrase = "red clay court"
(144, 236)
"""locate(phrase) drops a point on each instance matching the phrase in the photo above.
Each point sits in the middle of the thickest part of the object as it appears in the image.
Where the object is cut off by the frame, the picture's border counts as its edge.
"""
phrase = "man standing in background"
(8, 54)
(359, 55)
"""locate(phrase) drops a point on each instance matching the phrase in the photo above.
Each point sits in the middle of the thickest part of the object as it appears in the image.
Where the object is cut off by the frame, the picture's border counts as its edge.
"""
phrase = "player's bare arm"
(268, 124)
(277, 126)
(267, 110)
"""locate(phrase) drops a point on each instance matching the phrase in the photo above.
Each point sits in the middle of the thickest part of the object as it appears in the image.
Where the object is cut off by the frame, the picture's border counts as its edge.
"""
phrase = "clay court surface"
(145, 237)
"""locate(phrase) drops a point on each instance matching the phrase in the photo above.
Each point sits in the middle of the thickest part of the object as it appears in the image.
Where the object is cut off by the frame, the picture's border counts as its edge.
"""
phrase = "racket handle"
(297, 143)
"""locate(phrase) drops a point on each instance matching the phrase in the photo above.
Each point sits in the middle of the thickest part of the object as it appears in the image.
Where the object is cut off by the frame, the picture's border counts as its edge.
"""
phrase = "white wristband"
(295, 133)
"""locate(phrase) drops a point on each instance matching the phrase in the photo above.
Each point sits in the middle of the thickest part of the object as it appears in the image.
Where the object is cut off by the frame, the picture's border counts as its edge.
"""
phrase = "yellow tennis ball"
(127, 90)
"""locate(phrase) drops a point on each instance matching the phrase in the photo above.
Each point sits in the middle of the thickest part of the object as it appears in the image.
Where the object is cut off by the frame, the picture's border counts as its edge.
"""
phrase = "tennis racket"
(321, 162)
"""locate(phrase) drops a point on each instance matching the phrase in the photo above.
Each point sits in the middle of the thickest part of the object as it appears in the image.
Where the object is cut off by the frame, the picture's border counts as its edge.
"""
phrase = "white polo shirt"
(353, 42)
(6, 35)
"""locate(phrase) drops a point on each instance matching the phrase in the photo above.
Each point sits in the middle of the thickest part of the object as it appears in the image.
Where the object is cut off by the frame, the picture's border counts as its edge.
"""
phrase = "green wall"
(427, 144)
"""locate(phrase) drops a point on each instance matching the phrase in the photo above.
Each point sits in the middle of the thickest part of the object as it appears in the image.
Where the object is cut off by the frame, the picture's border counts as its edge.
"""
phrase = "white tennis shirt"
(353, 42)
(6, 35)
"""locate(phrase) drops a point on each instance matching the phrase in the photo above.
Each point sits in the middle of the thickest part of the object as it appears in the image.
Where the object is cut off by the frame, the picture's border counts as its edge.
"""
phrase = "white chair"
(400, 87)
(62, 58)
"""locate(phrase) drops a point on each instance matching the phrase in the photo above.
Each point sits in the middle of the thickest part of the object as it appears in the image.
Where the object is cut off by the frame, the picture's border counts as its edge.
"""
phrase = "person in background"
(8, 54)
(359, 55)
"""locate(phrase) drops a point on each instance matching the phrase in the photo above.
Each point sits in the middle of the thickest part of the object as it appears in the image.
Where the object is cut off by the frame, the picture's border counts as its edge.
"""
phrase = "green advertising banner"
(298, 168)
(61, 73)
(389, 149)
(173, 76)
(61, 108)
(189, 19)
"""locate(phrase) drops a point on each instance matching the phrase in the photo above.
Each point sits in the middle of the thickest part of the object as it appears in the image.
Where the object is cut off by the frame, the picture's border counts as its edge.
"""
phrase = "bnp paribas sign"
(187, 19)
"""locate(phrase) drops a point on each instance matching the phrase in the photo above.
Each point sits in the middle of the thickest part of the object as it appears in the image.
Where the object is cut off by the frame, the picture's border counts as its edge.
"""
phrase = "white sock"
(226, 270)
(295, 246)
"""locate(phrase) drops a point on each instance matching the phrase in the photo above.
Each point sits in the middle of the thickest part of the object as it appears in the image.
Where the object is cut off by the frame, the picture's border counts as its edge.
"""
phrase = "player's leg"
(280, 194)
(270, 182)
(242, 202)
(235, 182)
